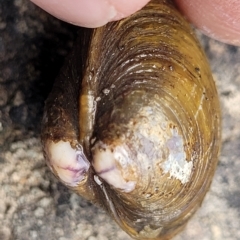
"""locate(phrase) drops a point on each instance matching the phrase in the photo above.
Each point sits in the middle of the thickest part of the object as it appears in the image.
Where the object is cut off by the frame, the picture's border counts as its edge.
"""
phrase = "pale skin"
(219, 19)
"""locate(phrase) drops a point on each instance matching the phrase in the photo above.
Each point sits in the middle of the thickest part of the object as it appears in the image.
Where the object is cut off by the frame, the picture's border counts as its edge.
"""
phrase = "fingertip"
(90, 13)
(218, 19)
(85, 13)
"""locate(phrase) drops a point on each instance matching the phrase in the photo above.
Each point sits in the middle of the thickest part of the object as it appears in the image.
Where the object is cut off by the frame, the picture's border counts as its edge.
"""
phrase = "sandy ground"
(33, 205)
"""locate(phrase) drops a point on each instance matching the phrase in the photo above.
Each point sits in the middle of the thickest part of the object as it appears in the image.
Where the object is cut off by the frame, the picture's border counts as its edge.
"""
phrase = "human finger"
(218, 19)
(90, 13)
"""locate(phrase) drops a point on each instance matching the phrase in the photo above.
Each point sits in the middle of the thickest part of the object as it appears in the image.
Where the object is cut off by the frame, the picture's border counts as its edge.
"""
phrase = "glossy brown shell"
(143, 83)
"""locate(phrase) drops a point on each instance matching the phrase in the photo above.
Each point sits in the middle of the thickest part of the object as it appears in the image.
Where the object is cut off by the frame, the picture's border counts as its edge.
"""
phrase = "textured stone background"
(33, 205)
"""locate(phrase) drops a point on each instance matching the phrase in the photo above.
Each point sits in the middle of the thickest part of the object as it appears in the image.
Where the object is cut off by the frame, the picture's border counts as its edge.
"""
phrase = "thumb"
(90, 13)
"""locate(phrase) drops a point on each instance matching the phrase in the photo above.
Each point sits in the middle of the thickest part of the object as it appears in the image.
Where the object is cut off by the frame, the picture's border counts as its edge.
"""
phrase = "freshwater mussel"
(133, 121)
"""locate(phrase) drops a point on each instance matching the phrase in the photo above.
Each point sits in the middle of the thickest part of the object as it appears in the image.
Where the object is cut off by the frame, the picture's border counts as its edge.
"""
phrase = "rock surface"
(33, 204)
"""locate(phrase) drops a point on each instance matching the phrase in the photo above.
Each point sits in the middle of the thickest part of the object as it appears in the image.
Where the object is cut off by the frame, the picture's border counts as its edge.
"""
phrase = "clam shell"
(133, 121)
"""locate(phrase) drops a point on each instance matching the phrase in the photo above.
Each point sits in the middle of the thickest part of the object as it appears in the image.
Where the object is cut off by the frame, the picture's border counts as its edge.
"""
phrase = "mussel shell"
(141, 85)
